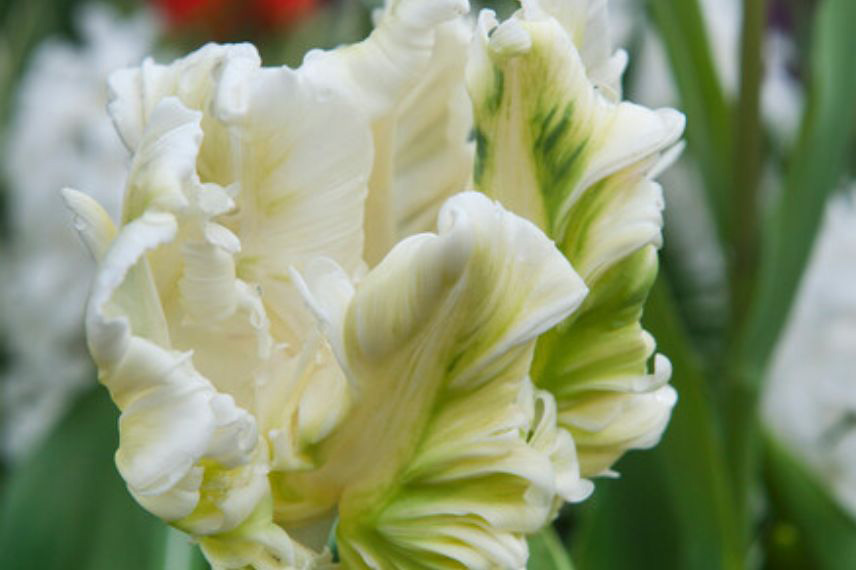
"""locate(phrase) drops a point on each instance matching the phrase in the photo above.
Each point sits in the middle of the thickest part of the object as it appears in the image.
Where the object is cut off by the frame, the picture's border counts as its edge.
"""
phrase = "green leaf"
(816, 167)
(629, 523)
(546, 552)
(749, 159)
(66, 506)
(692, 451)
(809, 524)
(703, 100)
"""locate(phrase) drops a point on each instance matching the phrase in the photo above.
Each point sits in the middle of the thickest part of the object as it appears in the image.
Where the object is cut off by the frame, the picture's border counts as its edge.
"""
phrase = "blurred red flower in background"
(283, 12)
(226, 19)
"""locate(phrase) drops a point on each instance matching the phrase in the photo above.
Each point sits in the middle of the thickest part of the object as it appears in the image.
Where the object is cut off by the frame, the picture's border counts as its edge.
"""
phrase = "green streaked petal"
(449, 456)
(556, 147)
(587, 23)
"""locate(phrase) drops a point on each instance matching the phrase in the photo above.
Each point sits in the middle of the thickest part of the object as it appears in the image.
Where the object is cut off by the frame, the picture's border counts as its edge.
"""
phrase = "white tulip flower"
(302, 363)
(809, 401)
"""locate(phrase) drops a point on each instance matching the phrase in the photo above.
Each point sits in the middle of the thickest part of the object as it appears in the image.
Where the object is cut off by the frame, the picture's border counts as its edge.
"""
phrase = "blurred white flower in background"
(59, 134)
(810, 399)
(782, 96)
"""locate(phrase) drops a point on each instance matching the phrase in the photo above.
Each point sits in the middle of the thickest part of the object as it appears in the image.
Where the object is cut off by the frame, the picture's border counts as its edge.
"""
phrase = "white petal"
(587, 23)
(91, 221)
(165, 164)
(305, 157)
(438, 340)
(432, 157)
(172, 417)
(556, 146)
(136, 91)
(609, 425)
(279, 176)
(406, 74)
(378, 71)
(124, 281)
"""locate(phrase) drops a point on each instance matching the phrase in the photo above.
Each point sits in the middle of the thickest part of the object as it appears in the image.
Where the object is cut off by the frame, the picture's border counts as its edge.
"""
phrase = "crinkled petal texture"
(432, 156)
(587, 24)
(409, 76)
(239, 175)
(553, 147)
(449, 456)
(269, 382)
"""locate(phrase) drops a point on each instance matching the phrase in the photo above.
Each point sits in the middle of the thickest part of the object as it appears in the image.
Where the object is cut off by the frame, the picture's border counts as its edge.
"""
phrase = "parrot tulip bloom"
(313, 331)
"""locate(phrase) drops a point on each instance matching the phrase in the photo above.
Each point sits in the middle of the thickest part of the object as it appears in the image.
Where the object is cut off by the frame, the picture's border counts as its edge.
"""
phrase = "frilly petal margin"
(556, 146)
(172, 417)
(433, 156)
(188, 452)
(378, 71)
(136, 91)
(279, 175)
(587, 23)
(408, 76)
(449, 457)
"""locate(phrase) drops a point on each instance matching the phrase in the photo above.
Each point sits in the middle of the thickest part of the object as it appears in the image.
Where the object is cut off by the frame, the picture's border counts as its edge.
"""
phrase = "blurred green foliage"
(66, 507)
(546, 552)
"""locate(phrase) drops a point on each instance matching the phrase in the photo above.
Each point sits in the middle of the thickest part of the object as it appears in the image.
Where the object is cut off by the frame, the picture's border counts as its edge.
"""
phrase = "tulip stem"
(748, 161)
(709, 134)
(744, 236)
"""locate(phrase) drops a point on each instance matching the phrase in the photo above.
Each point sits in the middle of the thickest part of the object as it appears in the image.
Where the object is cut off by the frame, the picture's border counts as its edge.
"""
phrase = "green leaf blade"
(66, 507)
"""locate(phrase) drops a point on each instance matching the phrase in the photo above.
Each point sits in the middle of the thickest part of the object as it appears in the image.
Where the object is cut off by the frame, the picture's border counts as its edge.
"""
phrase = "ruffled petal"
(239, 175)
(408, 76)
(136, 91)
(172, 417)
(165, 164)
(92, 222)
(379, 71)
(277, 174)
(188, 452)
(606, 425)
(435, 461)
(556, 147)
(546, 436)
(433, 158)
(587, 23)
(305, 158)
